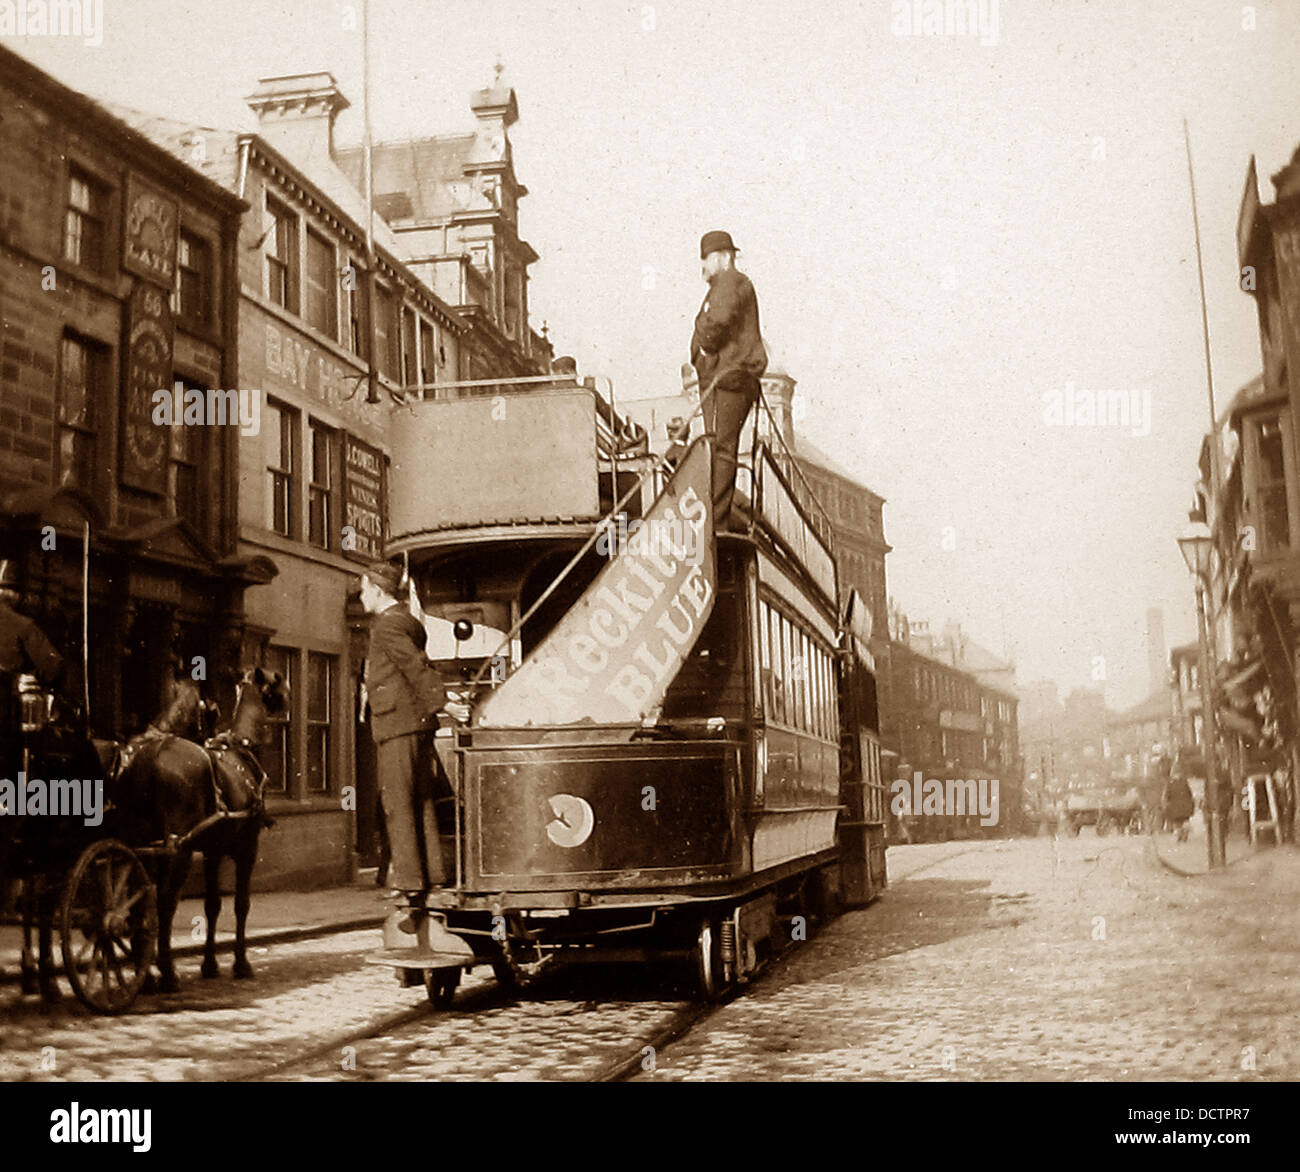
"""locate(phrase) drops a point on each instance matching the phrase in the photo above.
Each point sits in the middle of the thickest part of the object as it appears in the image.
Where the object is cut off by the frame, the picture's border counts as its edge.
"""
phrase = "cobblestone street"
(1033, 959)
(1028, 959)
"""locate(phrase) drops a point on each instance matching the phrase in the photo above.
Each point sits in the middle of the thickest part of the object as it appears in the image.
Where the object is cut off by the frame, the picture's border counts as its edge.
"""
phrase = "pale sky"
(941, 232)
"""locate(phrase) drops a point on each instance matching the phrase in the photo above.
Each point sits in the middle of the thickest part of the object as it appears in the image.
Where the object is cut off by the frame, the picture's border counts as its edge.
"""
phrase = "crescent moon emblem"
(573, 822)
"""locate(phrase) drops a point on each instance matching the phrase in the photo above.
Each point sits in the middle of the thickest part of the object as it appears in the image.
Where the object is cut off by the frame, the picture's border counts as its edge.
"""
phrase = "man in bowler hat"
(727, 353)
(405, 694)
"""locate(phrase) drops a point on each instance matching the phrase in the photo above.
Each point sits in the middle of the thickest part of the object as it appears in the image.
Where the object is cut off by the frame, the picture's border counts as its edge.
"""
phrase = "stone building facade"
(117, 266)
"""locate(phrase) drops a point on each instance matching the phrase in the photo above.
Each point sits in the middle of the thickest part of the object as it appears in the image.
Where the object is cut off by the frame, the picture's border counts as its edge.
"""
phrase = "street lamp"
(1197, 547)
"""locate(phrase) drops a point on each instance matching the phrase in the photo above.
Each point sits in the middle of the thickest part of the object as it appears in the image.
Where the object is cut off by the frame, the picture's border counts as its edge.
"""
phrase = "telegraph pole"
(1214, 844)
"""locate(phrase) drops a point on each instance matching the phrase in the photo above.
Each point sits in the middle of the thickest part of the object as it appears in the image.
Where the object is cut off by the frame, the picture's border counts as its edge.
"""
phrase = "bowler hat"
(386, 576)
(716, 242)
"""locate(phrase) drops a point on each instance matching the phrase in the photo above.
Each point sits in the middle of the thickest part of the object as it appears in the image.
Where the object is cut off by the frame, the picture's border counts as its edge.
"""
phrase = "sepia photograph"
(676, 543)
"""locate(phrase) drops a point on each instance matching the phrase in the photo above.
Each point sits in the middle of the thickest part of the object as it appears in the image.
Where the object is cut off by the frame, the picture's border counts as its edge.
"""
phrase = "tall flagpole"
(372, 391)
(1214, 843)
(1205, 318)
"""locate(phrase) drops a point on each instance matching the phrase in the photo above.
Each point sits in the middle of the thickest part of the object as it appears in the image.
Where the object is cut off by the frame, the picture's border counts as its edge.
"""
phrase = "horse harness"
(244, 751)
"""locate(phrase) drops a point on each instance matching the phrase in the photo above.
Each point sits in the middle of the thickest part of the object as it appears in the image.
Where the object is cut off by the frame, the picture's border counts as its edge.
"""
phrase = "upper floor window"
(322, 286)
(193, 278)
(320, 489)
(83, 374)
(387, 341)
(85, 222)
(281, 255)
(186, 474)
(281, 432)
(357, 307)
(410, 354)
(1268, 459)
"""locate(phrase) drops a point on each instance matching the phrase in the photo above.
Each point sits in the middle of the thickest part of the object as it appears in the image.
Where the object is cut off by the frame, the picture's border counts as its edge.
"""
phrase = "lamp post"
(1196, 548)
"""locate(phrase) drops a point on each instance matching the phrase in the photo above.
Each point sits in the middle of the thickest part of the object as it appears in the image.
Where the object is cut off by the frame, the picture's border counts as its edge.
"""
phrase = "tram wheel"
(108, 927)
(507, 976)
(441, 986)
(708, 961)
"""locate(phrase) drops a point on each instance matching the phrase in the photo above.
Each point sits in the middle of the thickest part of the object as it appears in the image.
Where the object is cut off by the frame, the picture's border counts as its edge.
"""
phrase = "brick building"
(945, 722)
(314, 482)
(229, 260)
(117, 278)
(452, 204)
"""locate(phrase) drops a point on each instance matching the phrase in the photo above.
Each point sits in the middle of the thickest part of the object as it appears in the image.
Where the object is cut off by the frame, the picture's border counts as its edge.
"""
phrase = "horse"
(207, 798)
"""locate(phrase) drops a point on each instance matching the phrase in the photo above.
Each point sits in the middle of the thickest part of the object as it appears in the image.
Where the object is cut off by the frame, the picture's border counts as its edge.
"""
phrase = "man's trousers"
(408, 768)
(724, 415)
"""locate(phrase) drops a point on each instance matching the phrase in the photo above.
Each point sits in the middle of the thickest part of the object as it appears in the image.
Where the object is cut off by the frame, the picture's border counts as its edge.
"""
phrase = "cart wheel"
(708, 961)
(108, 926)
(441, 986)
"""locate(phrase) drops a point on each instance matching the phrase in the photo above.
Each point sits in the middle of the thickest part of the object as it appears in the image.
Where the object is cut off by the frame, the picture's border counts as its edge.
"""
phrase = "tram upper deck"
(506, 481)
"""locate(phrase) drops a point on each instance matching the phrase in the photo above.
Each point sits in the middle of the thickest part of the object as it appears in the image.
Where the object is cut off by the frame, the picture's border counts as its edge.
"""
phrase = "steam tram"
(751, 801)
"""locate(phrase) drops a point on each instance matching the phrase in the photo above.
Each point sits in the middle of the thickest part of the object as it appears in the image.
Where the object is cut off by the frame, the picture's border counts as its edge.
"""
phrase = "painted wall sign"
(611, 658)
(148, 367)
(149, 241)
(363, 500)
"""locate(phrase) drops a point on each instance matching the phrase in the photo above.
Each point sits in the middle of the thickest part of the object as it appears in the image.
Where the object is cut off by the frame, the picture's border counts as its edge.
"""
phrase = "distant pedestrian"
(1178, 805)
(728, 355)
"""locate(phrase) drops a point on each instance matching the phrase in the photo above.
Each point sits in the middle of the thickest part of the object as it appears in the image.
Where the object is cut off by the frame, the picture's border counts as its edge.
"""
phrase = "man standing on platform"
(405, 694)
(727, 353)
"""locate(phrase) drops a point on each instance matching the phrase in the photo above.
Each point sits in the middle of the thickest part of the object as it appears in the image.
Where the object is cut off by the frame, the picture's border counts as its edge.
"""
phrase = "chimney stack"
(296, 113)
(1157, 656)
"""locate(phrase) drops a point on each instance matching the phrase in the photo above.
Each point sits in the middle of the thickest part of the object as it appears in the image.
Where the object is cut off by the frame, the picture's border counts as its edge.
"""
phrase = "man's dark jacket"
(405, 691)
(727, 345)
(24, 648)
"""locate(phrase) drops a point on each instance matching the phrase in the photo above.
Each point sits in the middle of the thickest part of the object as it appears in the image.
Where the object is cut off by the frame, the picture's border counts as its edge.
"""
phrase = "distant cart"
(1107, 808)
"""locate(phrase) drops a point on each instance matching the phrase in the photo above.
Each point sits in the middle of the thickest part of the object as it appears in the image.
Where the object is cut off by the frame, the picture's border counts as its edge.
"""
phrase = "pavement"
(275, 917)
(1191, 858)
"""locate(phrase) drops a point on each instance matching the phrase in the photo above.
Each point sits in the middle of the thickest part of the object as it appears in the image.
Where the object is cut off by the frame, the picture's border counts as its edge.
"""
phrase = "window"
(320, 704)
(320, 487)
(354, 292)
(82, 376)
(185, 474)
(428, 354)
(386, 332)
(321, 286)
(276, 755)
(85, 220)
(281, 433)
(778, 668)
(281, 255)
(1268, 487)
(410, 356)
(805, 680)
(193, 278)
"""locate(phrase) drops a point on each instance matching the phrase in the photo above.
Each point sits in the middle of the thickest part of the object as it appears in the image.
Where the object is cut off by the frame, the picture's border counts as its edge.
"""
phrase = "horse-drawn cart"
(94, 872)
